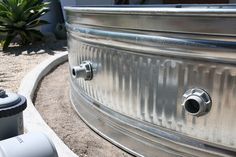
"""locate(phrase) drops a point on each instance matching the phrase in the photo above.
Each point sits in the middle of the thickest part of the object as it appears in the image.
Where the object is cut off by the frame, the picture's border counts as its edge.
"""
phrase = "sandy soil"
(52, 101)
(18, 61)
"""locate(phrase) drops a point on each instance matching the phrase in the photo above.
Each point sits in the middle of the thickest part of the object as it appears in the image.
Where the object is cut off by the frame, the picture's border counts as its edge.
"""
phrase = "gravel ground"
(53, 103)
(18, 61)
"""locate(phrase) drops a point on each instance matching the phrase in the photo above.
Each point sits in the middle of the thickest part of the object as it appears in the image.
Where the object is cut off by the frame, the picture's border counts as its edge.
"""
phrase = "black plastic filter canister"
(11, 116)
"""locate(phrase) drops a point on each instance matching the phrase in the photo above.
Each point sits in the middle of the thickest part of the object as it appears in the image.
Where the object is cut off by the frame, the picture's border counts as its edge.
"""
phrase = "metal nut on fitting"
(84, 70)
(196, 102)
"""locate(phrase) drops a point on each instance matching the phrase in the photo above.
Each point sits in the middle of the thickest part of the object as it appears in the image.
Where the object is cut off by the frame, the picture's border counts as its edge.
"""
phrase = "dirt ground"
(53, 103)
(18, 61)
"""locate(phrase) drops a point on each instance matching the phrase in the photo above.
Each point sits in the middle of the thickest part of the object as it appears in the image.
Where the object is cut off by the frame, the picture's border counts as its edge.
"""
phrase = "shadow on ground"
(49, 45)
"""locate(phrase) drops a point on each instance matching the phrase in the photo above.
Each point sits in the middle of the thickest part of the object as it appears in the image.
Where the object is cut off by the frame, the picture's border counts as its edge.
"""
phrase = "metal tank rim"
(189, 10)
(121, 42)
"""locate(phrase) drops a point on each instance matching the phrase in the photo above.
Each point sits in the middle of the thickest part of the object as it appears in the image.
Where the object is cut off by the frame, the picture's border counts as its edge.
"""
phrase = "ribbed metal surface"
(143, 75)
(150, 88)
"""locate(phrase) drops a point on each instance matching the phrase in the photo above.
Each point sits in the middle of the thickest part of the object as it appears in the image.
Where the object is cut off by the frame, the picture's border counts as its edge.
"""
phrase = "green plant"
(20, 17)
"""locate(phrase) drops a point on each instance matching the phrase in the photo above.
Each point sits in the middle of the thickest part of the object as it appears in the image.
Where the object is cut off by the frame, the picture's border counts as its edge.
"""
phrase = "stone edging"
(33, 122)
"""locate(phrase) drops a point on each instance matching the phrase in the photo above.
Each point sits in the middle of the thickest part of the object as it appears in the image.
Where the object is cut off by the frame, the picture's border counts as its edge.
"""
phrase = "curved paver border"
(33, 122)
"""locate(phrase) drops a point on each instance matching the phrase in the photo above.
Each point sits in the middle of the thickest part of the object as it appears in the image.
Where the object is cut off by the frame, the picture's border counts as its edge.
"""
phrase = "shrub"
(20, 17)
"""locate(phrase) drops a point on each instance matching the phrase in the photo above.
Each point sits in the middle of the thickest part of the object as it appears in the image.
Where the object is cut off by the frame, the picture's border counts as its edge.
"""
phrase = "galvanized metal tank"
(156, 80)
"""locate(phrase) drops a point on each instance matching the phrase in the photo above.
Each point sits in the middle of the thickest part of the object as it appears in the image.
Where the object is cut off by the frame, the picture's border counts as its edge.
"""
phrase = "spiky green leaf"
(37, 23)
(19, 17)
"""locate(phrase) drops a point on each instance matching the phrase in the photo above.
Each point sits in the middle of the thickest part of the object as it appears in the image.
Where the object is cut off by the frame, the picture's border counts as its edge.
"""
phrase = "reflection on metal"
(84, 70)
(147, 61)
(197, 102)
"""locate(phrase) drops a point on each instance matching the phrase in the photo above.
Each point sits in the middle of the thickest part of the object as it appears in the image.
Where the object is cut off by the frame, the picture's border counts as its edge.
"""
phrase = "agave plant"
(20, 17)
